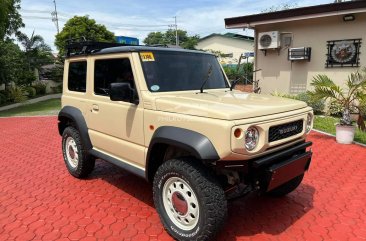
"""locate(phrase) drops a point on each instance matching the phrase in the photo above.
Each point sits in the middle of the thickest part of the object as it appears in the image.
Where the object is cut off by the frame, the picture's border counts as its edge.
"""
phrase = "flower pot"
(345, 134)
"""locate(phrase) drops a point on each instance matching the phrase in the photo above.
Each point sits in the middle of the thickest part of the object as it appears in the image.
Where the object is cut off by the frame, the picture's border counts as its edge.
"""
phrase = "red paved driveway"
(39, 200)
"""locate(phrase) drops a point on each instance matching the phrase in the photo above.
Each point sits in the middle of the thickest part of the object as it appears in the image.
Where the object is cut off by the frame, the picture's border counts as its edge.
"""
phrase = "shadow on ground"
(247, 216)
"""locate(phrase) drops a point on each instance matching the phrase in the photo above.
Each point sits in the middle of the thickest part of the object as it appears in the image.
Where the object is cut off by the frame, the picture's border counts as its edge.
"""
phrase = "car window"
(179, 71)
(109, 71)
(77, 76)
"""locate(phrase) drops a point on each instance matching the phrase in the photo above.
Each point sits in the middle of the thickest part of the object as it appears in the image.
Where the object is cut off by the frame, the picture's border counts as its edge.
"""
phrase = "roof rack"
(82, 46)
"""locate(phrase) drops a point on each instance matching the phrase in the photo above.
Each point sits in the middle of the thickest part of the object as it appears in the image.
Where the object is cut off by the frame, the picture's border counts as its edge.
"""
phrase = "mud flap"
(283, 172)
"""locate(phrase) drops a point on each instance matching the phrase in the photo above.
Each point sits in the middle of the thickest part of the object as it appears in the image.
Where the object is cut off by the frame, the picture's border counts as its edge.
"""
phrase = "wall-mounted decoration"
(343, 53)
(303, 53)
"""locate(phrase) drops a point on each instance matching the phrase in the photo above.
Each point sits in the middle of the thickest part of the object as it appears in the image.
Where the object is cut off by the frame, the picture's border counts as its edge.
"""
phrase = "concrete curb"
(327, 134)
(31, 101)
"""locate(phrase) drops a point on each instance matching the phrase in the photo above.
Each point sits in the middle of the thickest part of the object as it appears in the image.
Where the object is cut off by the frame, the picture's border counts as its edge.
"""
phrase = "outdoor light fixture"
(348, 18)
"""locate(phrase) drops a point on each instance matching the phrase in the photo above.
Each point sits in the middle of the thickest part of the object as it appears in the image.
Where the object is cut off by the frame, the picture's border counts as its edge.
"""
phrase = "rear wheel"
(190, 202)
(78, 162)
(287, 187)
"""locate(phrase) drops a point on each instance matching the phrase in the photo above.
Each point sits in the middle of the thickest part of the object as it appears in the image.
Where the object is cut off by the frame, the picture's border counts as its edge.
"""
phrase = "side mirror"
(122, 92)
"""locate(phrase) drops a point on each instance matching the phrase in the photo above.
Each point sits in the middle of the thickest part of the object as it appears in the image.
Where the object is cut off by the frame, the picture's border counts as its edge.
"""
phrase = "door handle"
(95, 108)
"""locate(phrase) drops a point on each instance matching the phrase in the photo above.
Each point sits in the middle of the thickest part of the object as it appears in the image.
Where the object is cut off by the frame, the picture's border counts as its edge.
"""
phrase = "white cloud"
(205, 18)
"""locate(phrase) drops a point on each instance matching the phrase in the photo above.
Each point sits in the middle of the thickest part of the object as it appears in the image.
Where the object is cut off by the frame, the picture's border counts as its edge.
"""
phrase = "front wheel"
(190, 202)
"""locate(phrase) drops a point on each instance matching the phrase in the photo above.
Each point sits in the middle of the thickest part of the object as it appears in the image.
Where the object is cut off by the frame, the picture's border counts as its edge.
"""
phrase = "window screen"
(109, 71)
(77, 76)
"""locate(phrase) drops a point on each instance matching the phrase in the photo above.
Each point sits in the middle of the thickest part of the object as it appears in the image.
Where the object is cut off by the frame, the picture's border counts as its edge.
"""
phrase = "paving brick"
(40, 200)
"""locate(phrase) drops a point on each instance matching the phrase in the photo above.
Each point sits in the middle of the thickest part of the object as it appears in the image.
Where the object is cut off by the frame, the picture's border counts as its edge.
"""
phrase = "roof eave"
(251, 21)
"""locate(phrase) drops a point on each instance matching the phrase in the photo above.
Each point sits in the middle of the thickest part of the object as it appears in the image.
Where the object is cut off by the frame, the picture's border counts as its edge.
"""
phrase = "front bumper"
(275, 169)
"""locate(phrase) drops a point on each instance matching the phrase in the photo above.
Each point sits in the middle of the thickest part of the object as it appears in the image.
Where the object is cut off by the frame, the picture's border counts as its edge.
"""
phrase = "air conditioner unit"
(303, 53)
(269, 40)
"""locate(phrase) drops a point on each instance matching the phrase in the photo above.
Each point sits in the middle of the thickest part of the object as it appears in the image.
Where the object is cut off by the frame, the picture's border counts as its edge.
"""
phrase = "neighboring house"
(292, 46)
(230, 45)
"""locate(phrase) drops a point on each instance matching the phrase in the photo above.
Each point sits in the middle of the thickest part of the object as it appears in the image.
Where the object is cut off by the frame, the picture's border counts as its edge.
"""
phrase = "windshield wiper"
(208, 76)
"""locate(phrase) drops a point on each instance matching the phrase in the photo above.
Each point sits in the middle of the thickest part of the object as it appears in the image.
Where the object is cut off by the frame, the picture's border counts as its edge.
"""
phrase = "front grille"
(285, 130)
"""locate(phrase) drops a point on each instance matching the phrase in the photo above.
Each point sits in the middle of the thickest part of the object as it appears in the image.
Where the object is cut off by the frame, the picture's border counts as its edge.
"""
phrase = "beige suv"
(169, 116)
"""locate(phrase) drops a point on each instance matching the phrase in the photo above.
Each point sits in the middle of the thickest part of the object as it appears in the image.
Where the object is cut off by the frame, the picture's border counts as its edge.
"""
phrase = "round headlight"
(251, 138)
(309, 121)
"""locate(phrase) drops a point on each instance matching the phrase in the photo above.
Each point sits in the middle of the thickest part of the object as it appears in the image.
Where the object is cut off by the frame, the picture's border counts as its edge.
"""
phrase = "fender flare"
(193, 142)
(77, 117)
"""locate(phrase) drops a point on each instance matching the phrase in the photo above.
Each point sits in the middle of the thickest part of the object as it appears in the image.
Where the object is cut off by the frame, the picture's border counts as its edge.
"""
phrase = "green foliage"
(10, 19)
(31, 91)
(317, 105)
(169, 38)
(57, 89)
(349, 98)
(12, 62)
(17, 94)
(25, 78)
(37, 52)
(244, 73)
(3, 98)
(82, 26)
(40, 87)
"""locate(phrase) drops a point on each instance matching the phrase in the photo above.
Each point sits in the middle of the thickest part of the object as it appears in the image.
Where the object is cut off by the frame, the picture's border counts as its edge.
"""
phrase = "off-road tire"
(209, 194)
(85, 163)
(287, 187)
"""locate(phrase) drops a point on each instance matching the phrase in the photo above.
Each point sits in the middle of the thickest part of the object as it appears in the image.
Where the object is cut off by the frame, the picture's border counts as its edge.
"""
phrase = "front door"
(115, 127)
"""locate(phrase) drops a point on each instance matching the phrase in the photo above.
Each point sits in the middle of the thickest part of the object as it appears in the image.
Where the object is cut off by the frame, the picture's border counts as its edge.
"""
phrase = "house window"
(343, 53)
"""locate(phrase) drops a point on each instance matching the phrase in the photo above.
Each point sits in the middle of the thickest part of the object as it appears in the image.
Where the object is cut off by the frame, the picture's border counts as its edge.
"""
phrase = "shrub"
(17, 94)
(3, 98)
(31, 91)
(40, 87)
(317, 105)
(57, 89)
(244, 71)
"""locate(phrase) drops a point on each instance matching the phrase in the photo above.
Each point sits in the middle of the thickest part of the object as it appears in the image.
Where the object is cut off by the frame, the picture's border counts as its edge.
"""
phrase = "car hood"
(226, 105)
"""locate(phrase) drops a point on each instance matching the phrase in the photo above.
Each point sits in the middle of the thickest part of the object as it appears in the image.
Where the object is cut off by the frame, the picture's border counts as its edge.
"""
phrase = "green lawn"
(327, 124)
(47, 107)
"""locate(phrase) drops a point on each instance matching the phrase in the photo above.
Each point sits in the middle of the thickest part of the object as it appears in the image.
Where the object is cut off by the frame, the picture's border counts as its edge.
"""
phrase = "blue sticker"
(155, 87)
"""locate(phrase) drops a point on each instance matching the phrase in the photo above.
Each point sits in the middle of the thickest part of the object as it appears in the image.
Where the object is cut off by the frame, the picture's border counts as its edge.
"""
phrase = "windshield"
(178, 71)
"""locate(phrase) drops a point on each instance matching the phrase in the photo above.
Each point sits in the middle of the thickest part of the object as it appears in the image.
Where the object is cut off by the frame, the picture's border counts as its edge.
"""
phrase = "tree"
(79, 27)
(169, 38)
(37, 51)
(10, 19)
(12, 61)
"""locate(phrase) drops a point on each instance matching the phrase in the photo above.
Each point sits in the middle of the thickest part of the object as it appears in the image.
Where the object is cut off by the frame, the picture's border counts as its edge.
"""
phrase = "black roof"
(295, 12)
(133, 48)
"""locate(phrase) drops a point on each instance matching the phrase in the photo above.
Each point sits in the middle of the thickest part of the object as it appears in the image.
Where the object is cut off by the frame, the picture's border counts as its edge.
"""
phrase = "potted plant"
(350, 98)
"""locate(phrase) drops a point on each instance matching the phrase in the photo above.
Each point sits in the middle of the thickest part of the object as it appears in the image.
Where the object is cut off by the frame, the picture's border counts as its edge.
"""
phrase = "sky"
(139, 17)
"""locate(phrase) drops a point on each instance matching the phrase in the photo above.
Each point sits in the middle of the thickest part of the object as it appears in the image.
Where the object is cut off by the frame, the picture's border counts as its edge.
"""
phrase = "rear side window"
(109, 71)
(77, 76)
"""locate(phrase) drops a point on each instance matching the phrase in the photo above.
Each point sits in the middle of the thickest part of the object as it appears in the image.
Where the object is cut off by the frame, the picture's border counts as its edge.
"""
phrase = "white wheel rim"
(180, 203)
(72, 154)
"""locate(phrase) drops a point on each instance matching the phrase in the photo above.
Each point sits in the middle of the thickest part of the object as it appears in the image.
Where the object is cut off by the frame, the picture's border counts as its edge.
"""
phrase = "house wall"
(279, 74)
(227, 45)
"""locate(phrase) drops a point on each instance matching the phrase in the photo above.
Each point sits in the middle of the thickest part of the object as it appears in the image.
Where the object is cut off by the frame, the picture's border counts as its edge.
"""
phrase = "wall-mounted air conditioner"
(303, 53)
(269, 40)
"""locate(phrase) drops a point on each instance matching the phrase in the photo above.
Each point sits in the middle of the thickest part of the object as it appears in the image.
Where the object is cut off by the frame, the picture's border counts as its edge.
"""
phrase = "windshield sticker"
(147, 57)
(155, 87)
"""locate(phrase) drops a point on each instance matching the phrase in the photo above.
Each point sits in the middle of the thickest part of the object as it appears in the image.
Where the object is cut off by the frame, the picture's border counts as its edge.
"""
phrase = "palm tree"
(36, 50)
(352, 97)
